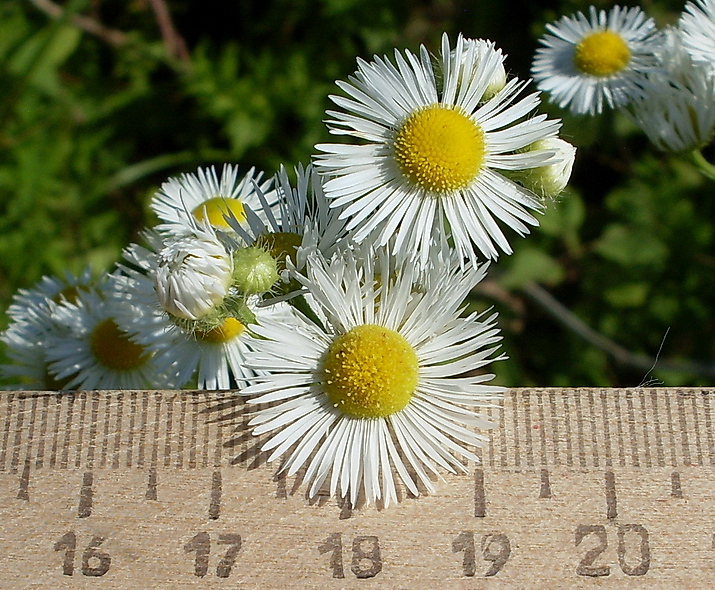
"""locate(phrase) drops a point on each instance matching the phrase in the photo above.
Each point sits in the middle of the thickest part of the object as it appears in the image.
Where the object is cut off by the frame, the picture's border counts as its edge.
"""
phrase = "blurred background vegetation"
(102, 100)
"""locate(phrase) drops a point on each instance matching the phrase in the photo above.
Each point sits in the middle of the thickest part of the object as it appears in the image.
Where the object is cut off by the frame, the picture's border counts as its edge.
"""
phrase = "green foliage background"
(91, 125)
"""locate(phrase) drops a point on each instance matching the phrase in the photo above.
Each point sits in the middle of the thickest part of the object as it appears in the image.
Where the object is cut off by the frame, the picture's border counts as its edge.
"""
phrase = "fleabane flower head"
(203, 197)
(589, 63)
(433, 151)
(207, 352)
(300, 221)
(95, 352)
(697, 23)
(549, 180)
(33, 321)
(379, 386)
(193, 274)
(678, 111)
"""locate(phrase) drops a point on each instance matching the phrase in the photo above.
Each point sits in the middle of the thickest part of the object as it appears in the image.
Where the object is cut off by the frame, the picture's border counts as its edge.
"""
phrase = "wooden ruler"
(578, 488)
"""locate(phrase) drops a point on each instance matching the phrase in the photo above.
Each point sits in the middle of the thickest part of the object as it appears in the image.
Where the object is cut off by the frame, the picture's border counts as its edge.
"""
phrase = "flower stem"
(706, 168)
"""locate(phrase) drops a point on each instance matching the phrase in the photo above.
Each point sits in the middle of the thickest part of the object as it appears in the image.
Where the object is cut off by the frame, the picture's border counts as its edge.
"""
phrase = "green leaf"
(529, 265)
(631, 246)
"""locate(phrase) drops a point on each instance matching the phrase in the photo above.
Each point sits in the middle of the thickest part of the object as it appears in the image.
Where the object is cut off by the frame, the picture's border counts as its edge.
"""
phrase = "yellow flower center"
(439, 148)
(228, 329)
(370, 372)
(217, 209)
(602, 54)
(280, 245)
(113, 348)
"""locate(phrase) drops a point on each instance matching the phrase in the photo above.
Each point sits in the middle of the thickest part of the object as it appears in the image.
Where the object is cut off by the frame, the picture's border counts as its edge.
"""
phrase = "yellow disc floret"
(439, 148)
(217, 209)
(113, 348)
(225, 331)
(602, 54)
(370, 372)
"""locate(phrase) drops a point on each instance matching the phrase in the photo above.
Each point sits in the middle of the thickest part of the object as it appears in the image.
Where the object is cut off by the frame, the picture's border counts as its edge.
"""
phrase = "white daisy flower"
(94, 352)
(385, 384)
(298, 223)
(697, 22)
(210, 350)
(32, 322)
(588, 63)
(433, 151)
(203, 197)
(678, 111)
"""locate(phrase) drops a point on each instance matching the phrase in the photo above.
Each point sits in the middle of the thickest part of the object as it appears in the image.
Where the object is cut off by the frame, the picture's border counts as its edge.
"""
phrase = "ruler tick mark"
(151, 491)
(84, 509)
(611, 509)
(545, 490)
(675, 487)
(23, 492)
(215, 506)
(480, 500)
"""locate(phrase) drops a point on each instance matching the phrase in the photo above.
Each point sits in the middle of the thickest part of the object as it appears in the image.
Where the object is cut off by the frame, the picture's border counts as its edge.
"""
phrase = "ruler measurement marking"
(84, 510)
(592, 425)
(56, 429)
(194, 431)
(645, 422)
(480, 498)
(696, 428)
(105, 441)
(94, 420)
(676, 489)
(143, 430)
(567, 426)
(6, 433)
(619, 432)
(515, 419)
(169, 424)
(216, 489)
(708, 426)
(43, 431)
(118, 432)
(502, 438)
(658, 435)
(611, 503)
(23, 492)
(683, 434)
(130, 429)
(542, 427)
(671, 434)
(579, 427)
(635, 459)
(80, 429)
(545, 487)
(606, 430)
(527, 429)
(18, 435)
(64, 461)
(180, 432)
(555, 426)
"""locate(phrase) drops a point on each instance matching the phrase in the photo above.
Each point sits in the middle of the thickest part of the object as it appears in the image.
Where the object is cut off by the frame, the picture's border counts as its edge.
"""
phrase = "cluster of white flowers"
(335, 301)
(664, 80)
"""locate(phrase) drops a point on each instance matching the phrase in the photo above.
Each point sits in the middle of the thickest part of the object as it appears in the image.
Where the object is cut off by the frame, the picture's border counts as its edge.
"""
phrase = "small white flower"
(381, 386)
(433, 153)
(94, 352)
(193, 274)
(32, 322)
(550, 180)
(203, 197)
(209, 350)
(588, 63)
(697, 22)
(678, 111)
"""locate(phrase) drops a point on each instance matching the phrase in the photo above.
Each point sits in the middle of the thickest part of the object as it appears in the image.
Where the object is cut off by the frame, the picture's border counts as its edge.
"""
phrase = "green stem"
(706, 168)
